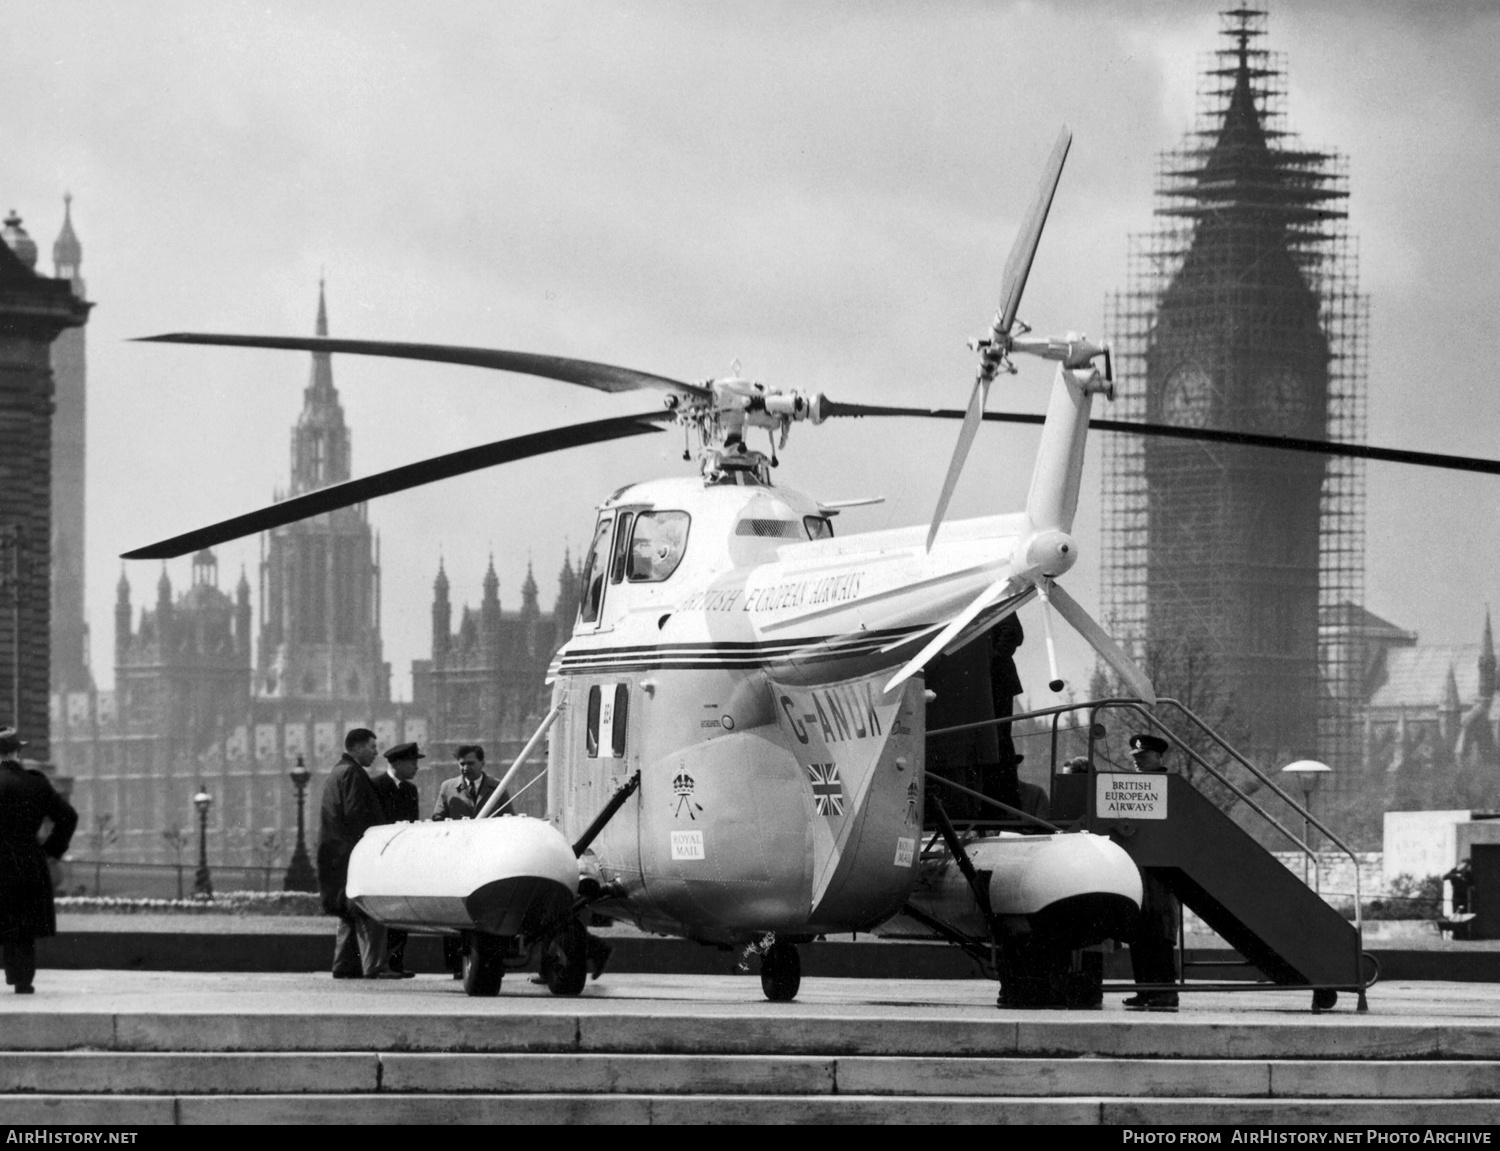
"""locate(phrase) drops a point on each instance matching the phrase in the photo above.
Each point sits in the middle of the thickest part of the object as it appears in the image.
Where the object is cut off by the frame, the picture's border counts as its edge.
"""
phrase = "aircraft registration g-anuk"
(736, 742)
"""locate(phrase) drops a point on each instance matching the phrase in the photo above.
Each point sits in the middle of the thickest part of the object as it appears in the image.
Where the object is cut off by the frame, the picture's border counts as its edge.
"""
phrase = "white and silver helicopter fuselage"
(743, 659)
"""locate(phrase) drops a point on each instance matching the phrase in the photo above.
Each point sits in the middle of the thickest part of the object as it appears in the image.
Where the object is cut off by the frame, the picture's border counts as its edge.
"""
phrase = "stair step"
(216, 1073)
(504, 1030)
(128, 1111)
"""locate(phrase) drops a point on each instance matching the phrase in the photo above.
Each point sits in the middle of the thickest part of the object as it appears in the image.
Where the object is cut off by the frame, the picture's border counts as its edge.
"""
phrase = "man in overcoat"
(350, 807)
(27, 800)
(462, 796)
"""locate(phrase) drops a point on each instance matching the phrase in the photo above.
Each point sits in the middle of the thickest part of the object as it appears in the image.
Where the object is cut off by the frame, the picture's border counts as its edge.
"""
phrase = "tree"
(1184, 668)
(267, 852)
(102, 837)
(177, 839)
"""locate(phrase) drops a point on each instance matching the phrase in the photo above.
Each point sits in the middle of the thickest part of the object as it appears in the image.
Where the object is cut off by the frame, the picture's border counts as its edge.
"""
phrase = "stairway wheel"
(1325, 999)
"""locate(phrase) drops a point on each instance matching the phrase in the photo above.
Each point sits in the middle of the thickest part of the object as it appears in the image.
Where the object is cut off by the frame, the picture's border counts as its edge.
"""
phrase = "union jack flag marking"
(828, 789)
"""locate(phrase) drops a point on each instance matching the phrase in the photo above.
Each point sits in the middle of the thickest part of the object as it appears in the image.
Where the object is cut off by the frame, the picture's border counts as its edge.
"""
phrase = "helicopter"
(736, 738)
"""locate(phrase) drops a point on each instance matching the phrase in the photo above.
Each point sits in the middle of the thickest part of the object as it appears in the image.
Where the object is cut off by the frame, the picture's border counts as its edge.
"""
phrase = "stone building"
(70, 632)
(196, 705)
(34, 311)
(1431, 708)
(485, 682)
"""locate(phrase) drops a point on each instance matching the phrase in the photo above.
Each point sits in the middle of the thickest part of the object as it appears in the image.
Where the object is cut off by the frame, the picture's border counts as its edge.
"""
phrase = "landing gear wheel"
(484, 964)
(565, 960)
(781, 972)
(1324, 999)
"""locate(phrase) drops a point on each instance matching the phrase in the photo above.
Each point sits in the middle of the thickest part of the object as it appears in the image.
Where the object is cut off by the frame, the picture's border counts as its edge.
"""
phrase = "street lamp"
(299, 875)
(202, 882)
(1307, 773)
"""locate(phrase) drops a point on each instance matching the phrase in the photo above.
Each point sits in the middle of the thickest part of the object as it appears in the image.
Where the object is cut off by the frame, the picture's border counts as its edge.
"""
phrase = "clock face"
(1187, 396)
(1284, 400)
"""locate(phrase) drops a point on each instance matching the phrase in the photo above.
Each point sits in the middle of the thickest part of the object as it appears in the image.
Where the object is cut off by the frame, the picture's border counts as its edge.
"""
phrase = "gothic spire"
(320, 441)
(67, 252)
(1486, 660)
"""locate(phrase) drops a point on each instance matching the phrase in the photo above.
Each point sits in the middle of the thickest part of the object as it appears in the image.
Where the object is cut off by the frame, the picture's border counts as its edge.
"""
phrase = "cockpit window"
(818, 527)
(622, 548)
(594, 571)
(657, 546)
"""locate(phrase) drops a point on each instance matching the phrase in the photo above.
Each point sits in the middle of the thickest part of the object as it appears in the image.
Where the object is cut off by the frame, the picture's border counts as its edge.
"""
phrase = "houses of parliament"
(201, 699)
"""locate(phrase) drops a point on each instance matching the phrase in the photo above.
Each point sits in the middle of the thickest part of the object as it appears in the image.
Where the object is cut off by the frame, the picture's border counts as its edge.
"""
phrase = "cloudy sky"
(823, 192)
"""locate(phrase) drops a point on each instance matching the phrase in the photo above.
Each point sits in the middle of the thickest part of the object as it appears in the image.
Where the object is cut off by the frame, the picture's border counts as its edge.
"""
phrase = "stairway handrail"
(1137, 707)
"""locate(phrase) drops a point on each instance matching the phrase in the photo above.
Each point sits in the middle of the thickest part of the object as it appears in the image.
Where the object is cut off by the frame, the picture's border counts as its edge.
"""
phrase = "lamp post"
(299, 874)
(1307, 773)
(202, 882)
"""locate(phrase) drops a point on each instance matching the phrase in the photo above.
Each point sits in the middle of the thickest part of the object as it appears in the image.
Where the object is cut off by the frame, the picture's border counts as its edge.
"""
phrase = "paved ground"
(169, 993)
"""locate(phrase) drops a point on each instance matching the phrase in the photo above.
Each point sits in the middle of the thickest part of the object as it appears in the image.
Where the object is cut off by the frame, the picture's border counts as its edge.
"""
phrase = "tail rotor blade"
(963, 619)
(1023, 251)
(972, 419)
(997, 348)
(1102, 642)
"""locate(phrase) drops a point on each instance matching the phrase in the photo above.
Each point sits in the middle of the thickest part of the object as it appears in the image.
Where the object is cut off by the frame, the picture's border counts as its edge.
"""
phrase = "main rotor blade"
(1023, 250)
(1102, 642)
(1206, 435)
(603, 377)
(401, 479)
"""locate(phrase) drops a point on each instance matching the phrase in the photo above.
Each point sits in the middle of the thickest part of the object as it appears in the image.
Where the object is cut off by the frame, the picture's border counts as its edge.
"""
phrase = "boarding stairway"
(400, 1054)
(1205, 858)
(1243, 892)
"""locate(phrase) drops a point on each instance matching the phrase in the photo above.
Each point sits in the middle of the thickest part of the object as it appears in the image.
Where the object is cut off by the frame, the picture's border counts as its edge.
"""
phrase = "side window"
(594, 571)
(617, 734)
(818, 527)
(591, 738)
(622, 548)
(657, 545)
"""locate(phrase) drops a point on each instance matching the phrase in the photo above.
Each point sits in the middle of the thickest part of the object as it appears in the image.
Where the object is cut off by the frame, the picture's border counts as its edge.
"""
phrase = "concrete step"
(129, 1111)
(278, 1073)
(500, 1026)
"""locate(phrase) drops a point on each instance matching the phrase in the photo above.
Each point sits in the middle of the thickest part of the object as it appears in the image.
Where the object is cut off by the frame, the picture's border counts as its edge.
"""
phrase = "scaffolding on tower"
(1303, 193)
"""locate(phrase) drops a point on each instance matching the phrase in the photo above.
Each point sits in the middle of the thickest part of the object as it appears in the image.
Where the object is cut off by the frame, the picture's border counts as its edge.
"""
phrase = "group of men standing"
(355, 801)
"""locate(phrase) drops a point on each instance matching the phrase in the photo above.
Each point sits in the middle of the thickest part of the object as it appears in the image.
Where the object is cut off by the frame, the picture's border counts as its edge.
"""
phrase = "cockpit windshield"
(657, 545)
(594, 571)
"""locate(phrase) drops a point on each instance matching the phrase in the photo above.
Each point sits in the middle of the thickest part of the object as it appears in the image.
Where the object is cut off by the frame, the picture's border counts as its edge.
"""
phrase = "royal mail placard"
(1131, 795)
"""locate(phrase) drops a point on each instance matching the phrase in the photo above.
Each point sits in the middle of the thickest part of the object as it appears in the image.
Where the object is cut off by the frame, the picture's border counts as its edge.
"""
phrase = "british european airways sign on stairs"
(1130, 795)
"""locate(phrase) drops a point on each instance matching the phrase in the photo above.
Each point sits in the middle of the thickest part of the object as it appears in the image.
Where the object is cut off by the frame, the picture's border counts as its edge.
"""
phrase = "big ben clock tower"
(1227, 569)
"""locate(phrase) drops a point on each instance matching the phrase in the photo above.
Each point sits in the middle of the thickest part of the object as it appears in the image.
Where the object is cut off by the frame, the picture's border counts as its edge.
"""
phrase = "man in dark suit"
(462, 796)
(350, 807)
(27, 799)
(401, 804)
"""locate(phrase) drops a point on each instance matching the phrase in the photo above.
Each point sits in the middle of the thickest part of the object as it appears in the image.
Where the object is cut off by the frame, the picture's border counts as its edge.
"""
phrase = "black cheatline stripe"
(726, 655)
(876, 635)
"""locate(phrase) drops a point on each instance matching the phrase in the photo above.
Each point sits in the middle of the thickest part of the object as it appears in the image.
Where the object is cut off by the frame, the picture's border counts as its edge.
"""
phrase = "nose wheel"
(484, 964)
(781, 972)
